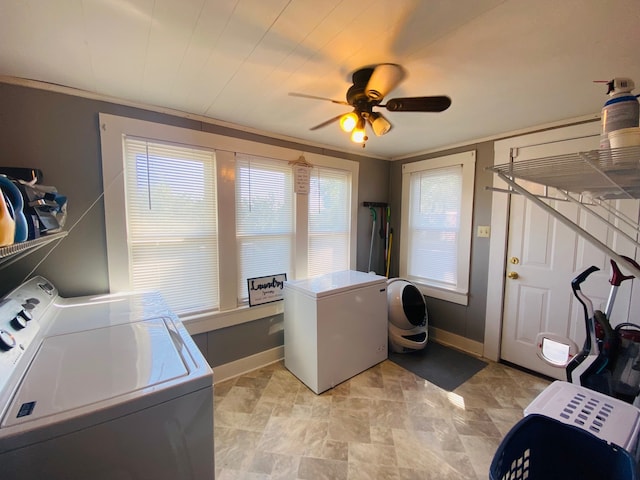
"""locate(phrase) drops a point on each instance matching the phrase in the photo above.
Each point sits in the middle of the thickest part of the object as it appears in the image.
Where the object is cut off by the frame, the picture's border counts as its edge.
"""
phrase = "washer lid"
(81, 368)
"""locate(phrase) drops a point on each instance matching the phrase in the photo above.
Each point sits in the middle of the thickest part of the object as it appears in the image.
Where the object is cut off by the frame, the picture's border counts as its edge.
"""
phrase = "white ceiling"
(507, 65)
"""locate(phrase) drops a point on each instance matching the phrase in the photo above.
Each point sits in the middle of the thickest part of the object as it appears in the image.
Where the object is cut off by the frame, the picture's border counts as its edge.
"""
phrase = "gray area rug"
(443, 366)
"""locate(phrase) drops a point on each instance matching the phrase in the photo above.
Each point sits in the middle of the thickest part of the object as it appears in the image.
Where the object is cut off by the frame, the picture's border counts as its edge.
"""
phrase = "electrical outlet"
(484, 230)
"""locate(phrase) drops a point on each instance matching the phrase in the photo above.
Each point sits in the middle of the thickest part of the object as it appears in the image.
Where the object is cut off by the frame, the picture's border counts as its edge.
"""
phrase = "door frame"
(500, 223)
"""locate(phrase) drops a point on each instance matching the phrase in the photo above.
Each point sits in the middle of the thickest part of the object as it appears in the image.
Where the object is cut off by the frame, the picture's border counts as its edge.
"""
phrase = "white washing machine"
(104, 387)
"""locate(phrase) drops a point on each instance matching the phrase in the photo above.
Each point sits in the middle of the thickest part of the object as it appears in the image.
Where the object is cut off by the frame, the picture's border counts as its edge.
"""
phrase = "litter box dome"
(406, 305)
(407, 314)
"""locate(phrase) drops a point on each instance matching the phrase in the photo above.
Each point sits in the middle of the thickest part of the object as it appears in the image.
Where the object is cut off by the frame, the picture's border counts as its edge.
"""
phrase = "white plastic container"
(625, 137)
(621, 111)
(601, 415)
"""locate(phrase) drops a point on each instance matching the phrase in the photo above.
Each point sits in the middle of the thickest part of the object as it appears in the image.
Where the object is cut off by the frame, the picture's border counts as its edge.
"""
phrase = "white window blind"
(264, 218)
(172, 223)
(434, 225)
(437, 212)
(329, 221)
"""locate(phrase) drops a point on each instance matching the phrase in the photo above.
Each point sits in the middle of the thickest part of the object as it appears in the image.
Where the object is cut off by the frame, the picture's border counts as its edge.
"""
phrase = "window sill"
(461, 298)
(207, 322)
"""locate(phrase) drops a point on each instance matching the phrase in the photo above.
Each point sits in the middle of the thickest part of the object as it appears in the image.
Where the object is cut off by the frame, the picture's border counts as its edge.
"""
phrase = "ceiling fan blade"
(437, 103)
(303, 95)
(384, 79)
(324, 124)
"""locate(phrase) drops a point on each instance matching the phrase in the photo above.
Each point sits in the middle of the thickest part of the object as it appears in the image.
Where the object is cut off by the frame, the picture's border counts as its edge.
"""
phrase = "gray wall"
(59, 134)
(466, 321)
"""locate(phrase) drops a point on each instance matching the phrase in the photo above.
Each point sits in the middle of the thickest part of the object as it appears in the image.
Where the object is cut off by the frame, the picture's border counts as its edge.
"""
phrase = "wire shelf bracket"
(14, 252)
(586, 179)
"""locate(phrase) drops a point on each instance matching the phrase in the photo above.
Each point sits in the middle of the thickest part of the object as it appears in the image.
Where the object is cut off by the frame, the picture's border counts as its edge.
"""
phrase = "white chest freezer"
(335, 326)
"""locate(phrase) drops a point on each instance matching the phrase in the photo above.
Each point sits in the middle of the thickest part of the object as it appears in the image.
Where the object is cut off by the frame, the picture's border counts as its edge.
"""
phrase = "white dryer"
(103, 387)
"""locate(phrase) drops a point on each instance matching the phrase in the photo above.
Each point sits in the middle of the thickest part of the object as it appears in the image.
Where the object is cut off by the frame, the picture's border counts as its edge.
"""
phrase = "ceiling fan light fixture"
(348, 121)
(370, 85)
(358, 135)
(379, 124)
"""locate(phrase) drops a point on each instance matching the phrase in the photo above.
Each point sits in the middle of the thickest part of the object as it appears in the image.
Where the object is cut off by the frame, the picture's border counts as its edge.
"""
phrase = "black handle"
(627, 325)
(575, 283)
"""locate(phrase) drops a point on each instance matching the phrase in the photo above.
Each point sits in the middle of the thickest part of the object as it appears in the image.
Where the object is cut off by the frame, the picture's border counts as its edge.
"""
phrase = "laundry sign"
(266, 289)
(301, 177)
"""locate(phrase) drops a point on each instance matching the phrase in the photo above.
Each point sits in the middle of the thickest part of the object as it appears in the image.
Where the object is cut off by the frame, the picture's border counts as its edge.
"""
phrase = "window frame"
(460, 293)
(112, 130)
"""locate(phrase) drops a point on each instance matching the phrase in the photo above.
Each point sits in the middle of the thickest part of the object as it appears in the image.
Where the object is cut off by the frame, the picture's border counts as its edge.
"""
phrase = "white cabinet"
(335, 326)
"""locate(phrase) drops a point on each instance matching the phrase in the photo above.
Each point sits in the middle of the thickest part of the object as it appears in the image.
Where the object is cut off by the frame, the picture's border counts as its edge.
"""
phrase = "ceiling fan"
(370, 86)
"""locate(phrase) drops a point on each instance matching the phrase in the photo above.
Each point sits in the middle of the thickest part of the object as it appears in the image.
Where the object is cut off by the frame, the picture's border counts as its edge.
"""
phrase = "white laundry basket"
(605, 417)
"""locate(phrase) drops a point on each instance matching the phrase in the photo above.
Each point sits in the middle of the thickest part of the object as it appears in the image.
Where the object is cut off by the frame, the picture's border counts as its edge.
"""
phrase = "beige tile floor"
(385, 423)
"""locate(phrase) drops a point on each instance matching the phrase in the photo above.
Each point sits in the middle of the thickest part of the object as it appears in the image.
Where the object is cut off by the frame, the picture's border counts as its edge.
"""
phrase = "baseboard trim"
(230, 370)
(239, 367)
(449, 339)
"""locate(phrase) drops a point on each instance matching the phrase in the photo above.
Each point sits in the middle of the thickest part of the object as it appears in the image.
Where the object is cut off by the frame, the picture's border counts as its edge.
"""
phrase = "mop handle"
(387, 243)
(373, 231)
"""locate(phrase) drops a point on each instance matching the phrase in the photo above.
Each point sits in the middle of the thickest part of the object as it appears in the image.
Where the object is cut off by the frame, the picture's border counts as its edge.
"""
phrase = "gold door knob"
(512, 275)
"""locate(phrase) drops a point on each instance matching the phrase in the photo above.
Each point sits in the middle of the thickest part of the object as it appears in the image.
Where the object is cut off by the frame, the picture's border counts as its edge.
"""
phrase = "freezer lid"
(336, 282)
(81, 368)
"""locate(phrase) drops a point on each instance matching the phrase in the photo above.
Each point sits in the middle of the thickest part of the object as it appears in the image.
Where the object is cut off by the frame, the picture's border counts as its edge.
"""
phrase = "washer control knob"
(7, 341)
(46, 287)
(26, 315)
(19, 322)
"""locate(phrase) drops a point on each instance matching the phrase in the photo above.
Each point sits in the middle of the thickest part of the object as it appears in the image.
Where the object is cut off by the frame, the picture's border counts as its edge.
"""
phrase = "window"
(171, 219)
(194, 214)
(437, 203)
(264, 219)
(329, 221)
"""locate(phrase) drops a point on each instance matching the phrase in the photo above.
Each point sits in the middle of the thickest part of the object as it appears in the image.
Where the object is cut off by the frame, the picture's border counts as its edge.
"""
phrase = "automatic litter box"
(408, 319)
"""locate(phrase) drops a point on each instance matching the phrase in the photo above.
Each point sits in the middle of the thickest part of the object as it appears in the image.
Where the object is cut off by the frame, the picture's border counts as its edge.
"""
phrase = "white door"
(546, 255)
